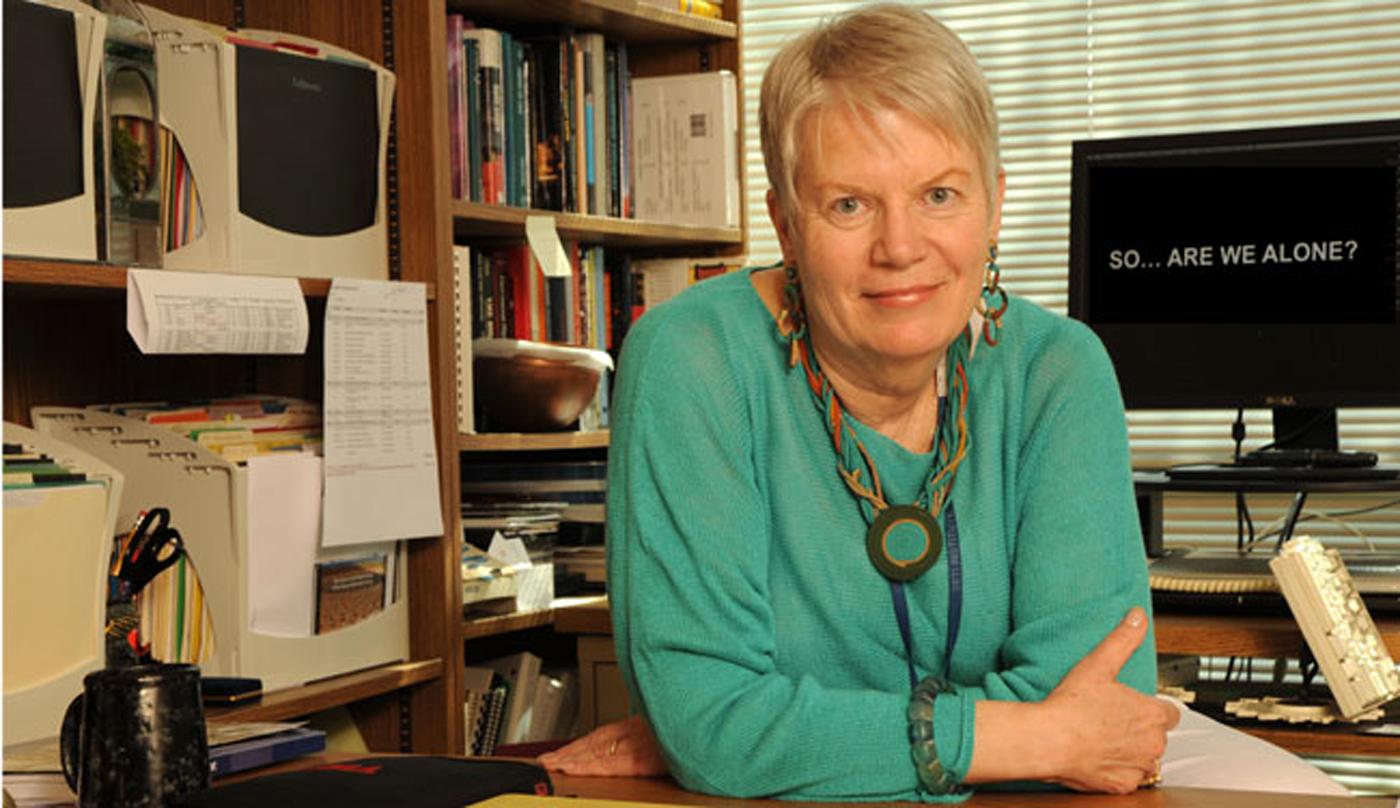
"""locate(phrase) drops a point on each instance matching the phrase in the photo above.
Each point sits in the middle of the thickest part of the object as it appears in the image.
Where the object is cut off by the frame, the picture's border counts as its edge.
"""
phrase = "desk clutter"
(1340, 638)
(514, 699)
(219, 561)
(531, 531)
(153, 139)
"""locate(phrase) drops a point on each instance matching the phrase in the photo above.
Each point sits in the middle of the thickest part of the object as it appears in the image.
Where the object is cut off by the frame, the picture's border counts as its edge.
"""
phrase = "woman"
(871, 525)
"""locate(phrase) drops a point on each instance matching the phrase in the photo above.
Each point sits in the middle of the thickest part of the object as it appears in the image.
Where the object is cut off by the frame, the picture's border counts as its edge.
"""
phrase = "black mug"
(135, 737)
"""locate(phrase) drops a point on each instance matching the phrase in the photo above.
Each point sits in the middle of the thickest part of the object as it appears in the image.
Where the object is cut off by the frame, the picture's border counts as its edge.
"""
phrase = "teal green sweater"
(751, 628)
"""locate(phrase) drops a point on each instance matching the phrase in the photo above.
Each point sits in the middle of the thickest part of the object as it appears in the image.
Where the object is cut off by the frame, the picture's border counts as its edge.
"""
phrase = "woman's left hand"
(625, 748)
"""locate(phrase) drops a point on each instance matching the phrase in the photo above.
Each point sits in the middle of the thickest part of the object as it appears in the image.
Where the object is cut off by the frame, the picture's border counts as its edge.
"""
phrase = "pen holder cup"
(135, 737)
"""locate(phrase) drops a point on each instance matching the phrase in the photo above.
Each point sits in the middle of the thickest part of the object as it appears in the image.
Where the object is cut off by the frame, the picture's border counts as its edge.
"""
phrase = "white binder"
(57, 548)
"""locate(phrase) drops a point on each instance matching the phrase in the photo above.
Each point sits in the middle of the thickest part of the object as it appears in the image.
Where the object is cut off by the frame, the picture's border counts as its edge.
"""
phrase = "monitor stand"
(1306, 437)
(1304, 448)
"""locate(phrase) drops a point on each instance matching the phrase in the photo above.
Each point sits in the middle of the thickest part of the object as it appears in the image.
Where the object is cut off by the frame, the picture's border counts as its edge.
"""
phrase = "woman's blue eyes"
(847, 206)
(939, 197)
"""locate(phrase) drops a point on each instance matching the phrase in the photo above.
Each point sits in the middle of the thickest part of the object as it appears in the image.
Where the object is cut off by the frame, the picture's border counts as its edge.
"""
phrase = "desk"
(602, 697)
(664, 790)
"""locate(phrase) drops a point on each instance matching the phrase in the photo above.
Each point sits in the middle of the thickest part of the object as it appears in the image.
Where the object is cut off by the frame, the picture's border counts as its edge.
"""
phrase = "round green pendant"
(905, 566)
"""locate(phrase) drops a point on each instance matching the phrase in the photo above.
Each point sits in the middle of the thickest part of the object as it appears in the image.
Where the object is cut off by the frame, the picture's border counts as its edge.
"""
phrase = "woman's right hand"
(1111, 736)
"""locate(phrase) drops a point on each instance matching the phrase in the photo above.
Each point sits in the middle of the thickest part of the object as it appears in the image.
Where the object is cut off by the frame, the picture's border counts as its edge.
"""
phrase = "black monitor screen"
(1243, 268)
(43, 106)
(308, 142)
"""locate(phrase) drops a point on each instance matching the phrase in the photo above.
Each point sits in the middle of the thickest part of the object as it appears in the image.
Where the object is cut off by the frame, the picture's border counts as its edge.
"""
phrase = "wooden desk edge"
(663, 790)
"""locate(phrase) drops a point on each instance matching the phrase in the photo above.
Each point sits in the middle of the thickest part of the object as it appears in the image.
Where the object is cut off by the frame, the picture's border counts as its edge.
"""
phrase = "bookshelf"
(659, 42)
(65, 341)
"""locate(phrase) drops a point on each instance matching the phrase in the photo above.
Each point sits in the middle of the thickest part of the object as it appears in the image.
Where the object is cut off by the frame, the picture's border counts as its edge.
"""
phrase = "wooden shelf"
(589, 617)
(293, 702)
(25, 272)
(519, 621)
(474, 220)
(1244, 635)
(532, 441)
(628, 20)
(1319, 741)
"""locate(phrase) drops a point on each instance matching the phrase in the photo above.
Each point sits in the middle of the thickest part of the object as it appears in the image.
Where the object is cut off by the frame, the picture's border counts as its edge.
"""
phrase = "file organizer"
(207, 498)
(57, 548)
(264, 201)
(51, 201)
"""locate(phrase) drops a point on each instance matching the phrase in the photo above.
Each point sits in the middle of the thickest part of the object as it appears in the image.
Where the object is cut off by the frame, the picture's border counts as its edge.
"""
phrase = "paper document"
(283, 536)
(546, 247)
(199, 312)
(381, 463)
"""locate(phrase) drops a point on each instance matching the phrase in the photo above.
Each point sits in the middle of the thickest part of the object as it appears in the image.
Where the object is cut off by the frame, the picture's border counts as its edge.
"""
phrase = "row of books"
(540, 122)
(512, 699)
(510, 297)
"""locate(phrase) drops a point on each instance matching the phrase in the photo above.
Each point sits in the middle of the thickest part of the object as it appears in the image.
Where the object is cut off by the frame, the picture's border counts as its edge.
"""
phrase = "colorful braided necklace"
(853, 460)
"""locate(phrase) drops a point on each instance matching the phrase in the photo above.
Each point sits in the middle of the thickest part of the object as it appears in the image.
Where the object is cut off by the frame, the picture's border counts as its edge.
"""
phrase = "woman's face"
(890, 237)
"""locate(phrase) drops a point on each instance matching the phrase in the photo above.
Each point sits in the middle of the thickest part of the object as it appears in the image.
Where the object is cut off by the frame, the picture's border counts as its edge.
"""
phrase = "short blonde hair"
(880, 57)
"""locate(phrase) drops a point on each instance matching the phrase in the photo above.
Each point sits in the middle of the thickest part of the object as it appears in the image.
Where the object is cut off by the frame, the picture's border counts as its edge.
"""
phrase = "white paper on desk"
(381, 459)
(283, 535)
(198, 312)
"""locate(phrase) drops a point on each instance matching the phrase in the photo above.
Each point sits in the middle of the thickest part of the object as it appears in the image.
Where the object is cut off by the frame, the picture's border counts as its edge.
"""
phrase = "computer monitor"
(1252, 268)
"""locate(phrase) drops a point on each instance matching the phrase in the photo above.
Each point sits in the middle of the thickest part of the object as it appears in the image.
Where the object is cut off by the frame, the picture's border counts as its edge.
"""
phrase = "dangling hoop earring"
(792, 320)
(993, 302)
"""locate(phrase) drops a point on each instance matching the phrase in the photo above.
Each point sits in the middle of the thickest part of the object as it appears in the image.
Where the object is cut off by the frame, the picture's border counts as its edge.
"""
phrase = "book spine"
(455, 114)
(581, 150)
(567, 124)
(527, 132)
(519, 264)
(471, 51)
(614, 144)
(624, 94)
(598, 71)
(464, 301)
(507, 124)
(590, 131)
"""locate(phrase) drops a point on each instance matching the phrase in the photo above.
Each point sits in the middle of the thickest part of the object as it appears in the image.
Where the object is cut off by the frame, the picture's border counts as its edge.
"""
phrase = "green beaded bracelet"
(932, 777)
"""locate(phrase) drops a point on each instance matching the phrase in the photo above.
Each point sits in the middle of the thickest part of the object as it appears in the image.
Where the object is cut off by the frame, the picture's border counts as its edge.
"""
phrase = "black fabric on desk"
(420, 781)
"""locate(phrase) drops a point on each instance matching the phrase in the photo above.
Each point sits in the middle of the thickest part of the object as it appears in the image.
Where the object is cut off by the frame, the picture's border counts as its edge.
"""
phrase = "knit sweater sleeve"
(1078, 564)
(688, 555)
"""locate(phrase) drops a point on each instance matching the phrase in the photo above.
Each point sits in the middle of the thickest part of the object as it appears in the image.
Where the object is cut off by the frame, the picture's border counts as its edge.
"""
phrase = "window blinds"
(1062, 71)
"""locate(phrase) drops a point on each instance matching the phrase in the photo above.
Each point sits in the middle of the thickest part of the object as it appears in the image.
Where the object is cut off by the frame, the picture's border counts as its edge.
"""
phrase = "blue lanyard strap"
(955, 598)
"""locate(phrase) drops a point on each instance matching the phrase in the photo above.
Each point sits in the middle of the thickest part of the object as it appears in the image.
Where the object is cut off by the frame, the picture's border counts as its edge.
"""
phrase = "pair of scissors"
(150, 547)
